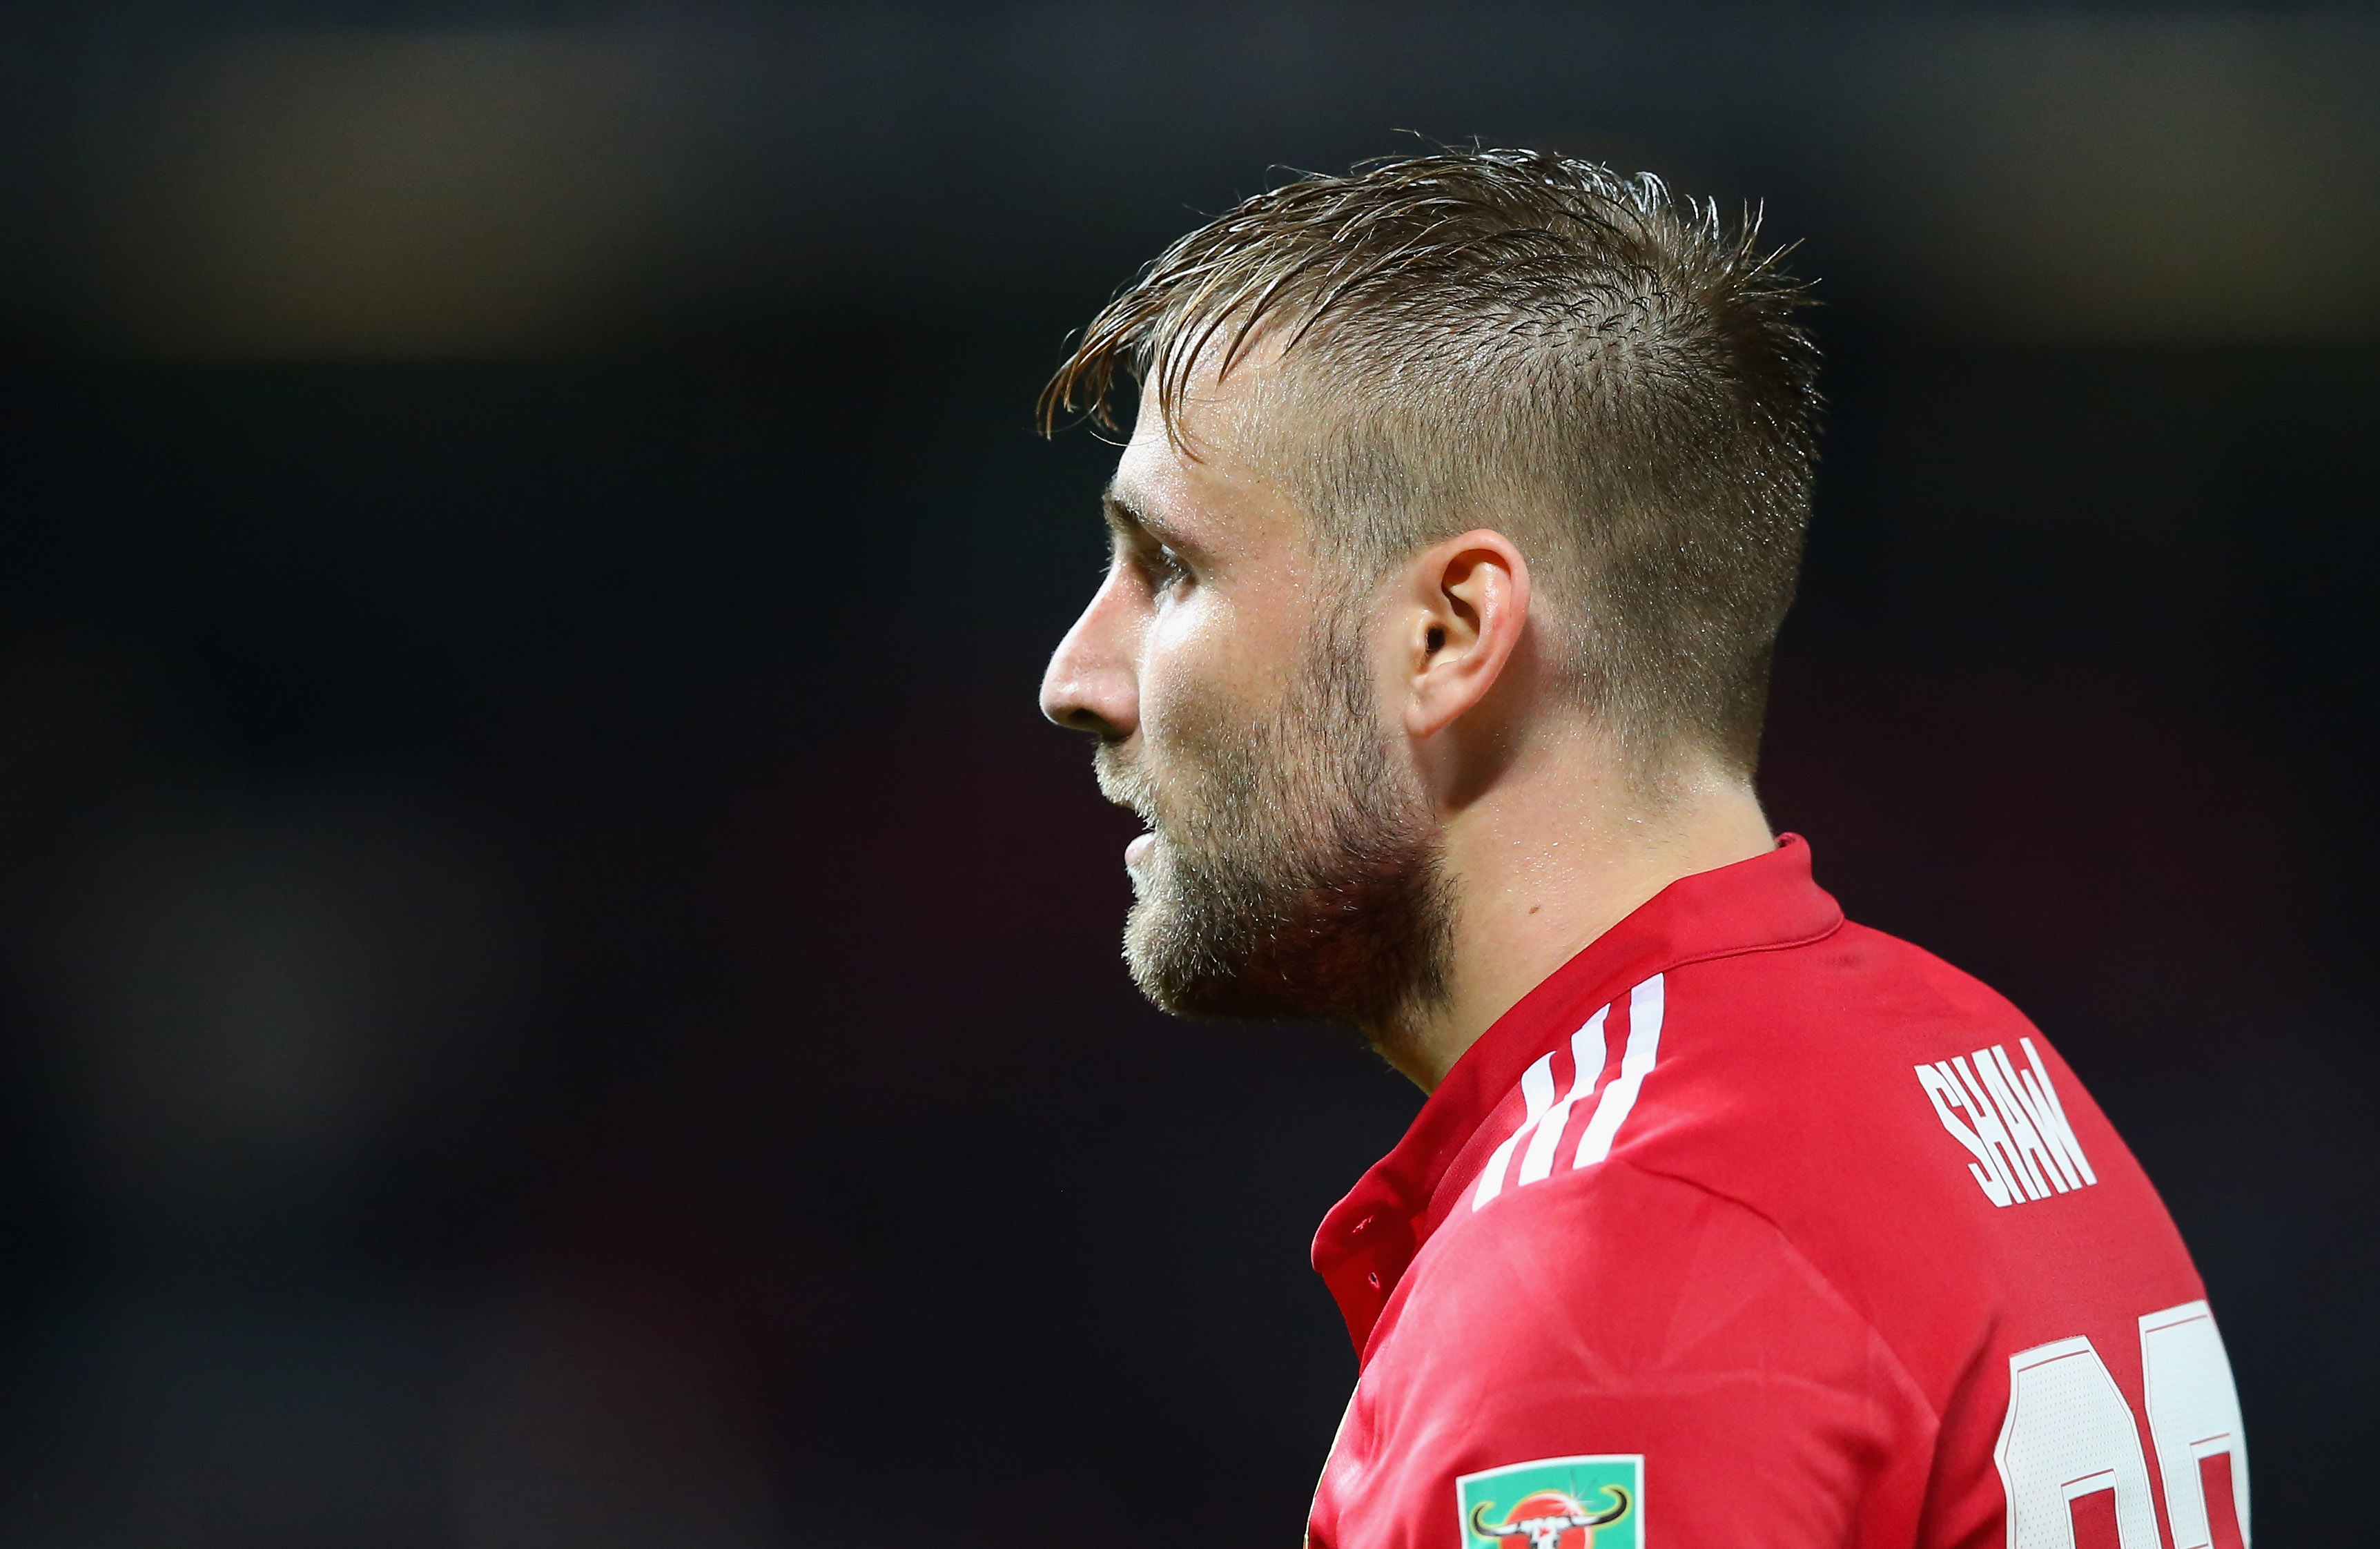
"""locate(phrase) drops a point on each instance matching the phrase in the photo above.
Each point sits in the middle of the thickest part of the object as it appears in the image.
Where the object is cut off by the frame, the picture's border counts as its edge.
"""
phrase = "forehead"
(1207, 476)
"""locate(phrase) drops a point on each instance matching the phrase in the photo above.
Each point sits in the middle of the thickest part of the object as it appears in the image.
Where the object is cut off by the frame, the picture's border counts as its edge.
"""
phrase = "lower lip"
(1137, 851)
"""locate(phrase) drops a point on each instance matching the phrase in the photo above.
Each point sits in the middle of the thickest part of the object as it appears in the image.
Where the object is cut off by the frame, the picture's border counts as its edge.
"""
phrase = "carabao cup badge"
(1556, 1502)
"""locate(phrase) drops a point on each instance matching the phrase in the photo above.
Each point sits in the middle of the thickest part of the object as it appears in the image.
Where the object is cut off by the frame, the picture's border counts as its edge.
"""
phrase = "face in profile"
(1291, 863)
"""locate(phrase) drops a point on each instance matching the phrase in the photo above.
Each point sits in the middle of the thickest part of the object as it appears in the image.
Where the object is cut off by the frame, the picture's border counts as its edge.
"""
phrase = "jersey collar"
(1757, 905)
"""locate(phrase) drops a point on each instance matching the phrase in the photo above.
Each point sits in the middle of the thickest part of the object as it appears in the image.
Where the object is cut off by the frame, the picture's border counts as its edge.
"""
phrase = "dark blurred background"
(553, 988)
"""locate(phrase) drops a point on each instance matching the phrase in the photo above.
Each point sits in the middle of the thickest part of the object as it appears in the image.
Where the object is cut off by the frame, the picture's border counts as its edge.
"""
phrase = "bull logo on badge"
(1555, 1503)
(1550, 1520)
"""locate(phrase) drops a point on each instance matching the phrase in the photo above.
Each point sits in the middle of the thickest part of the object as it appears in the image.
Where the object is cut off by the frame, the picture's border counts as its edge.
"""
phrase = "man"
(1464, 501)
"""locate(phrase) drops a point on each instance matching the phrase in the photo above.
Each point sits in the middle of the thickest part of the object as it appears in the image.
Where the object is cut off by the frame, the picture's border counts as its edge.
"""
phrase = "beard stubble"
(1297, 873)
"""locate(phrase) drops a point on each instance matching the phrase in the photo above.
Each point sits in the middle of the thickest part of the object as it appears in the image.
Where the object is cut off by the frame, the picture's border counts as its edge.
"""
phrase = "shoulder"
(1814, 1048)
(1632, 1316)
(1910, 1133)
(1621, 1278)
(1634, 1265)
(1787, 1080)
(1882, 1110)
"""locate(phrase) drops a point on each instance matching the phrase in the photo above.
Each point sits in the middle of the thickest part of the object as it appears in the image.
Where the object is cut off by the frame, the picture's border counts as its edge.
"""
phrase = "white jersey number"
(2068, 1433)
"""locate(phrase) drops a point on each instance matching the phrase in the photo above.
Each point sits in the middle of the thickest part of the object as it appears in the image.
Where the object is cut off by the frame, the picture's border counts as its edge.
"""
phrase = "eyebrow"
(1126, 517)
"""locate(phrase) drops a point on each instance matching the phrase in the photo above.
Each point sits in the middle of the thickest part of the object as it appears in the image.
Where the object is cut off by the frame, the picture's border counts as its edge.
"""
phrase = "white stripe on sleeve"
(1645, 1006)
(1537, 1095)
(1587, 1053)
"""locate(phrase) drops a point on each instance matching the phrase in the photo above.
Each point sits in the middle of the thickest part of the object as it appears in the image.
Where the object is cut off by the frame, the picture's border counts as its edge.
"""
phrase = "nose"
(1091, 685)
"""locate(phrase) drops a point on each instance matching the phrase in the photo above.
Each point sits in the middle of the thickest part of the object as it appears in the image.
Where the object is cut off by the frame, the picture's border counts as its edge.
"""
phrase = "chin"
(1177, 965)
(1186, 971)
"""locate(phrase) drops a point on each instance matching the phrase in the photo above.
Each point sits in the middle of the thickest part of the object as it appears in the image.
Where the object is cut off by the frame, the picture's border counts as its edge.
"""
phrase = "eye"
(1164, 570)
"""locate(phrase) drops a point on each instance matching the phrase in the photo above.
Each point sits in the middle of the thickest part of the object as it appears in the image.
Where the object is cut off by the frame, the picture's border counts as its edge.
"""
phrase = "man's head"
(1397, 432)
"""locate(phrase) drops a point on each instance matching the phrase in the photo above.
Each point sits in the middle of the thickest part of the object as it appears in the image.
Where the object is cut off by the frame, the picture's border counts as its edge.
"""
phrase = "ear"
(1459, 617)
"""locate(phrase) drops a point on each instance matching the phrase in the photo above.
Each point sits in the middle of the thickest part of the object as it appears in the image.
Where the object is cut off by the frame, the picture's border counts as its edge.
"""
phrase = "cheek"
(1202, 672)
(1178, 664)
(1220, 658)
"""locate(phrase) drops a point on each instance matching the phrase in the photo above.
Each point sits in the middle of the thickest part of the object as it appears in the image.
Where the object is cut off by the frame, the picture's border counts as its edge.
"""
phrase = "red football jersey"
(1753, 1228)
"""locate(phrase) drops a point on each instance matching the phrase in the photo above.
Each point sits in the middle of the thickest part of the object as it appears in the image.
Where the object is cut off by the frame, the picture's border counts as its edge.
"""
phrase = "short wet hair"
(1611, 376)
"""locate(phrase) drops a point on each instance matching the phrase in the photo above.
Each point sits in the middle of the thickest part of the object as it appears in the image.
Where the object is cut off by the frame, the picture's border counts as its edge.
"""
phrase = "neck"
(1555, 853)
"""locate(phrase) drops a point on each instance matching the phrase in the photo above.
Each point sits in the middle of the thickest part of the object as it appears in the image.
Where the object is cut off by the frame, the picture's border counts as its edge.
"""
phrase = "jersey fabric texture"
(1754, 1227)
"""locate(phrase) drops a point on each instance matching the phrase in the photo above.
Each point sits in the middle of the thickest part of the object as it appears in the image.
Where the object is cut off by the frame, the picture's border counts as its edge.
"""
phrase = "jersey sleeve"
(1624, 1328)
